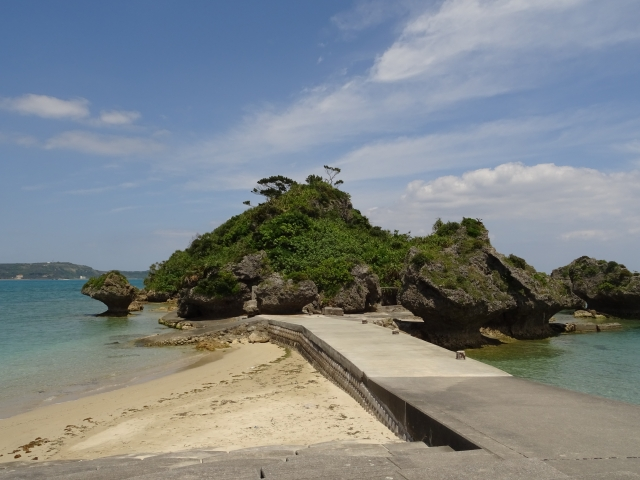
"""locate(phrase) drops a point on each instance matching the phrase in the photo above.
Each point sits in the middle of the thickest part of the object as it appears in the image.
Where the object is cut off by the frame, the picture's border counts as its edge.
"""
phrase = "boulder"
(195, 302)
(360, 295)
(258, 337)
(606, 287)
(157, 297)
(250, 307)
(136, 306)
(469, 286)
(583, 314)
(223, 292)
(251, 268)
(112, 289)
(276, 295)
(333, 311)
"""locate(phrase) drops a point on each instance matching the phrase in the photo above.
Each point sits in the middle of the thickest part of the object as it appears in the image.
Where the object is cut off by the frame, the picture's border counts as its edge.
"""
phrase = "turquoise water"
(605, 363)
(53, 347)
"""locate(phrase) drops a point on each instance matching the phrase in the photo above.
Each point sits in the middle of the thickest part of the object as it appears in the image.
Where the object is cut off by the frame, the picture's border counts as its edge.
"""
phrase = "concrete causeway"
(469, 405)
(463, 419)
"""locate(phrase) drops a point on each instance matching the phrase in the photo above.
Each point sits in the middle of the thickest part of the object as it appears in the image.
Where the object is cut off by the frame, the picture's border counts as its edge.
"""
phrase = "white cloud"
(112, 145)
(550, 213)
(47, 107)
(466, 49)
(118, 117)
(490, 33)
(514, 190)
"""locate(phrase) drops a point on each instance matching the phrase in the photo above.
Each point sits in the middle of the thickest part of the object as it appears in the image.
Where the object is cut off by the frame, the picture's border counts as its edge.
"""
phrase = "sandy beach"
(247, 395)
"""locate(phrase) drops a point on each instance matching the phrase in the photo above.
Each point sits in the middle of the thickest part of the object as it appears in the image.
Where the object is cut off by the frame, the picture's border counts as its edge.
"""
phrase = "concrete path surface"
(467, 404)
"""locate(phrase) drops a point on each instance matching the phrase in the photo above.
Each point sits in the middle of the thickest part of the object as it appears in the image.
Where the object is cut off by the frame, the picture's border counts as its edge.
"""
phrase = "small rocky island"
(114, 290)
(606, 286)
(306, 248)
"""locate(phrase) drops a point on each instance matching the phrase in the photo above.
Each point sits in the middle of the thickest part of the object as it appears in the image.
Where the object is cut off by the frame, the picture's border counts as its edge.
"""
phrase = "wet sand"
(250, 395)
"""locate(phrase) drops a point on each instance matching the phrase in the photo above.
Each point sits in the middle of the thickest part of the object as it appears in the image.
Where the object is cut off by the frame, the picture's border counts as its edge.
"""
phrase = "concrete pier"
(462, 419)
(432, 397)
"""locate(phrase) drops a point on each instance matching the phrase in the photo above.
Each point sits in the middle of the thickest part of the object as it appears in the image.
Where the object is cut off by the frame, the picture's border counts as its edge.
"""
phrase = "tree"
(311, 179)
(332, 172)
(274, 186)
(247, 202)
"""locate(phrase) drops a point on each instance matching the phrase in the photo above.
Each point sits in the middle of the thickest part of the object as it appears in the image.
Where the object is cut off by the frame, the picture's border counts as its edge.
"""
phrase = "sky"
(128, 127)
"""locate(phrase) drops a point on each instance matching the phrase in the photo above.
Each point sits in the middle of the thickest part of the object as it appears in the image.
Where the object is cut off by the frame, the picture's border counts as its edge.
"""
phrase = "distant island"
(56, 271)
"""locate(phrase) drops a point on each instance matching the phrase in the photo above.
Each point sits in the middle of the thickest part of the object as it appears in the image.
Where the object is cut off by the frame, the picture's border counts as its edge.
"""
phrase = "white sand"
(250, 395)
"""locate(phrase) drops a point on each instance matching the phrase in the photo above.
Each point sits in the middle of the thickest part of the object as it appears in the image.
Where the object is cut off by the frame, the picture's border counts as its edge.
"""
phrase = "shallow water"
(53, 347)
(605, 363)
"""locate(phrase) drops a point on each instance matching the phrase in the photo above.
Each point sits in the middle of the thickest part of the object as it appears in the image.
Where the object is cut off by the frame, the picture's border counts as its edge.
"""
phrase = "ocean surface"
(53, 348)
(604, 363)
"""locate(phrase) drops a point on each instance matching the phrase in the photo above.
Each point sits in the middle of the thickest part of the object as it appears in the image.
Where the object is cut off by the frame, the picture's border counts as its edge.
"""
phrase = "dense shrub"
(309, 231)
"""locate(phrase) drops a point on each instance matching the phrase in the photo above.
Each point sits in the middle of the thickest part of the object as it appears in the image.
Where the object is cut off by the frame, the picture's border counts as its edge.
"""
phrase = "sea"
(53, 347)
(606, 364)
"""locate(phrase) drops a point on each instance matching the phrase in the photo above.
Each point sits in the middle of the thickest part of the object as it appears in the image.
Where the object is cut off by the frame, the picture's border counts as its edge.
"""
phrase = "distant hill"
(55, 271)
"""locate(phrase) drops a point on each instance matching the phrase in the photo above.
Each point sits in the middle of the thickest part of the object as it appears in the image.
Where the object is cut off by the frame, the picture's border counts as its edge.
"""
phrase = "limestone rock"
(606, 287)
(250, 307)
(223, 292)
(194, 303)
(157, 297)
(112, 289)
(457, 295)
(362, 294)
(250, 268)
(258, 337)
(583, 314)
(278, 296)
(136, 306)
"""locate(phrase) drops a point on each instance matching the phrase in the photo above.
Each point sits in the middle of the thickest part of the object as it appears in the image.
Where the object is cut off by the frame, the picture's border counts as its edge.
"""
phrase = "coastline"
(117, 362)
(250, 395)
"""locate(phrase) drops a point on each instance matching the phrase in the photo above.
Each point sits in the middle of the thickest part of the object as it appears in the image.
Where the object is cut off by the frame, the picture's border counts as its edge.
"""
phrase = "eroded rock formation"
(112, 289)
(361, 294)
(607, 287)
(468, 286)
(279, 296)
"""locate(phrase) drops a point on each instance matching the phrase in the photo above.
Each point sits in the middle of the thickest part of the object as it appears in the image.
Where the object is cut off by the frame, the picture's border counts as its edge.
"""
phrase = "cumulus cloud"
(553, 213)
(112, 145)
(47, 107)
(514, 190)
(118, 117)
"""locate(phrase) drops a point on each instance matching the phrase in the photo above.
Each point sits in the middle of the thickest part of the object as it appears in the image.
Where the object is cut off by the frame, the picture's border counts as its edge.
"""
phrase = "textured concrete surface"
(466, 404)
(378, 353)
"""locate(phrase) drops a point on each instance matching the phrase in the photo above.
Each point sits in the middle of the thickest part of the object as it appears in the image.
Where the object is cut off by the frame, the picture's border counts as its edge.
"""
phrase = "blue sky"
(128, 127)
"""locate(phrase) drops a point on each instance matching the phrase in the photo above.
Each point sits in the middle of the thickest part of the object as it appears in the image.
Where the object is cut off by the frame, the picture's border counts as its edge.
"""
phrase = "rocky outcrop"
(362, 294)
(606, 287)
(112, 289)
(136, 306)
(276, 295)
(222, 292)
(195, 303)
(157, 297)
(468, 286)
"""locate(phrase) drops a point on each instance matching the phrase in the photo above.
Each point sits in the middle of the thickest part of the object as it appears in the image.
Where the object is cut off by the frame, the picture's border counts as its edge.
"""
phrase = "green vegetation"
(96, 283)
(611, 277)
(309, 231)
